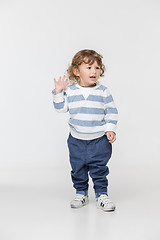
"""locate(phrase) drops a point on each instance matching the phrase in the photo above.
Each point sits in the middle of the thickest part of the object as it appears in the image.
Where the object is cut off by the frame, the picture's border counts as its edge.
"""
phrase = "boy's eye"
(90, 67)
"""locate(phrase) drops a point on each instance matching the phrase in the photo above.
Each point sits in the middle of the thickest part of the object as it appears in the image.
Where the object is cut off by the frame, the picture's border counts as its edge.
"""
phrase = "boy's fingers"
(66, 80)
(113, 139)
(55, 82)
(61, 79)
(109, 136)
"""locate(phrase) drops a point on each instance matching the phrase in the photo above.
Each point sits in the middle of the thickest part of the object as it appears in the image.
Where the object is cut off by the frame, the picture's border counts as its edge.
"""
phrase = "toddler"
(92, 122)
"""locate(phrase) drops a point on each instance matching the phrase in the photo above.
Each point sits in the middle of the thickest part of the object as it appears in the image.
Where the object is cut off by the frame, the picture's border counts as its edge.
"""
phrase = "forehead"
(88, 64)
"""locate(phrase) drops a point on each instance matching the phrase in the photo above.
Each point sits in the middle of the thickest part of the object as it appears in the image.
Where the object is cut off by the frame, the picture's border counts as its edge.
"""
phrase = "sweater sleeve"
(60, 101)
(111, 112)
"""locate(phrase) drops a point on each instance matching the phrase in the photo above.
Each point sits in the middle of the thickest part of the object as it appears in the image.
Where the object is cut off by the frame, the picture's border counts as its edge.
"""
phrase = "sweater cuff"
(110, 127)
(58, 97)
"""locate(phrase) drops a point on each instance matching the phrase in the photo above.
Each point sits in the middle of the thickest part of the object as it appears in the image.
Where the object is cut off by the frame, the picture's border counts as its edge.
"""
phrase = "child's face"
(88, 74)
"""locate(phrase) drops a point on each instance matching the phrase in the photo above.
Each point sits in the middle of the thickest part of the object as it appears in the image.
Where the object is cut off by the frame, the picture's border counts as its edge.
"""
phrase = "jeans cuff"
(99, 193)
(82, 192)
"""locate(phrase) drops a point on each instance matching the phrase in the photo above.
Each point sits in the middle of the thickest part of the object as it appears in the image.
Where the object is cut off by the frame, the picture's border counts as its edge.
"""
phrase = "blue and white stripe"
(89, 117)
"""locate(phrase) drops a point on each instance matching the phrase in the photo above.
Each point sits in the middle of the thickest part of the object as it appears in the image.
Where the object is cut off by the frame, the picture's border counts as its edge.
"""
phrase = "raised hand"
(60, 84)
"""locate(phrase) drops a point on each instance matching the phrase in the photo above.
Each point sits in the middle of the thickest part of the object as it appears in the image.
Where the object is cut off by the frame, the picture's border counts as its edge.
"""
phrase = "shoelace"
(104, 199)
(79, 197)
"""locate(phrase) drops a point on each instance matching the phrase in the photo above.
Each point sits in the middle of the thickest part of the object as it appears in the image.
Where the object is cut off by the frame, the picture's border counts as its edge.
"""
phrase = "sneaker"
(103, 202)
(79, 201)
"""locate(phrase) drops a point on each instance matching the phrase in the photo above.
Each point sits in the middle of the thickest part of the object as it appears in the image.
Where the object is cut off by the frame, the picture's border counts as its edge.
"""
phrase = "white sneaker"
(79, 201)
(103, 202)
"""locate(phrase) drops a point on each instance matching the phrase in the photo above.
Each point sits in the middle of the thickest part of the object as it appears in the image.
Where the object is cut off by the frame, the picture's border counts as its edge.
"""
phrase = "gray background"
(38, 40)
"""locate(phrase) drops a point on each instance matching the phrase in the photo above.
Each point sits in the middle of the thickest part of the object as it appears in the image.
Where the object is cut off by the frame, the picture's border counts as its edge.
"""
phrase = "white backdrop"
(38, 40)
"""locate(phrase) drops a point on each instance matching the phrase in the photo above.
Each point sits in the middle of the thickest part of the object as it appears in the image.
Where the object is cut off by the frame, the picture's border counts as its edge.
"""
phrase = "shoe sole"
(106, 210)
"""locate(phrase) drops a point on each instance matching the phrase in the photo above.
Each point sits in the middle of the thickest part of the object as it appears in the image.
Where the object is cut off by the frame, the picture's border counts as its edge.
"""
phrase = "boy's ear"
(76, 71)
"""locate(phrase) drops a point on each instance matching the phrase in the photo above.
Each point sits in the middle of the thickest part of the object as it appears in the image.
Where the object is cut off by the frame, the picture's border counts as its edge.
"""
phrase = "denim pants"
(89, 156)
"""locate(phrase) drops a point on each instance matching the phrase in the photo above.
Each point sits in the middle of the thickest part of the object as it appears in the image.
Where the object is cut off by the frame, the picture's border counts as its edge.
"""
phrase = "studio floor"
(36, 212)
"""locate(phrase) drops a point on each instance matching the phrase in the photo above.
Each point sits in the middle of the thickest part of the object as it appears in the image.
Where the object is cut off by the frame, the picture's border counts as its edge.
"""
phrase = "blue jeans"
(89, 156)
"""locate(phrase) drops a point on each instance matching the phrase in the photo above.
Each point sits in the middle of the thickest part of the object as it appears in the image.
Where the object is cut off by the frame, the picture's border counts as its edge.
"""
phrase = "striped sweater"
(92, 110)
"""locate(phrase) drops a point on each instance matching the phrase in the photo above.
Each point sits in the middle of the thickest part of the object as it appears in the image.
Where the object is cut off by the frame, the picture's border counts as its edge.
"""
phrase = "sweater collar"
(77, 85)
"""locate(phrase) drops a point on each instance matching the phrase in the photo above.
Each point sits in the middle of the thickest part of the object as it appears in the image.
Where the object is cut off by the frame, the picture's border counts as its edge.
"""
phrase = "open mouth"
(92, 76)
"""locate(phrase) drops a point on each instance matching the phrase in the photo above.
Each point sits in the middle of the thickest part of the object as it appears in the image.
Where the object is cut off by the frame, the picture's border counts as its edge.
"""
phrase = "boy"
(93, 120)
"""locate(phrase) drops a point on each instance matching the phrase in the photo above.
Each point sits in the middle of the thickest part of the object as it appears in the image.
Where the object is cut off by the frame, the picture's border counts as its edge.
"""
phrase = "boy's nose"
(94, 71)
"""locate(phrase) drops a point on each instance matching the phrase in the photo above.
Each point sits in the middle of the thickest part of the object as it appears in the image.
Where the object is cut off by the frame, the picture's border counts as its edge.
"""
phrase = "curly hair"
(87, 56)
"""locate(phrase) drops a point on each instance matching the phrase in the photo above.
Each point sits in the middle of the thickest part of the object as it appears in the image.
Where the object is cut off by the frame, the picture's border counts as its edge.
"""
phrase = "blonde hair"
(87, 56)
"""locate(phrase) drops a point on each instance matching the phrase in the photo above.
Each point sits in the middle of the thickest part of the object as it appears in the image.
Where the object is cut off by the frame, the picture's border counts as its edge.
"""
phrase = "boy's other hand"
(60, 84)
(111, 136)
